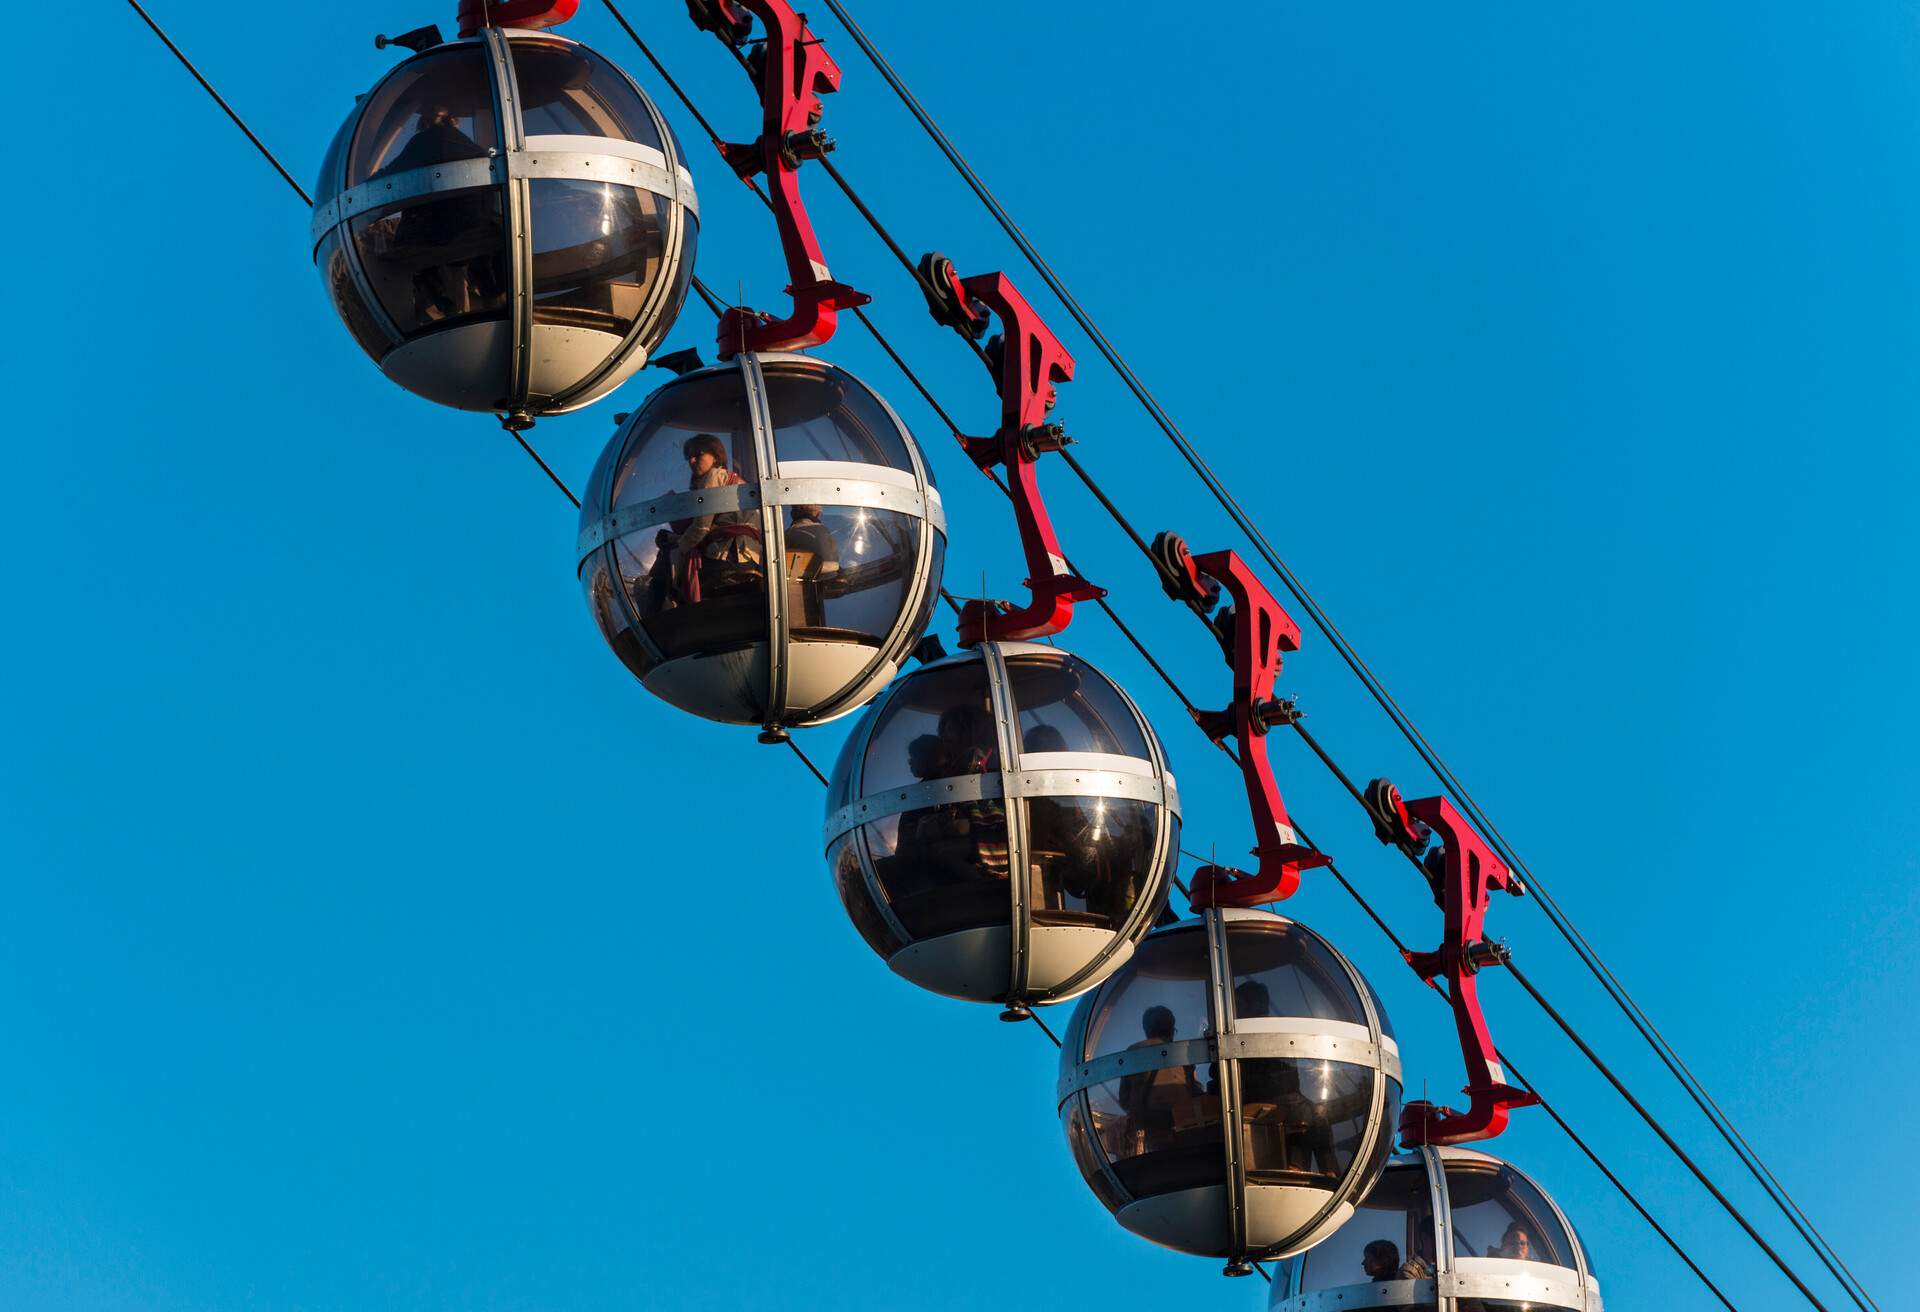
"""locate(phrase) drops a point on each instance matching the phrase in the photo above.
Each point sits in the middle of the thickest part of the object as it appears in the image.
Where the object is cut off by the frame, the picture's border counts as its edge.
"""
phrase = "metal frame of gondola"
(1541, 1285)
(834, 483)
(512, 165)
(1226, 1044)
(1065, 774)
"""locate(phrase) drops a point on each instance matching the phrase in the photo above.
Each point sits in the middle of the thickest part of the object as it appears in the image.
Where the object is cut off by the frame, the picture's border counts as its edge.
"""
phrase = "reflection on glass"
(944, 868)
(436, 260)
(329, 184)
(820, 413)
(1396, 1216)
(596, 576)
(347, 302)
(568, 90)
(682, 280)
(433, 109)
(1497, 1212)
(1089, 858)
(697, 584)
(1303, 1118)
(597, 250)
(849, 569)
(655, 460)
(851, 884)
(1080, 1142)
(1168, 974)
(1160, 1129)
(1066, 705)
(937, 724)
(1282, 969)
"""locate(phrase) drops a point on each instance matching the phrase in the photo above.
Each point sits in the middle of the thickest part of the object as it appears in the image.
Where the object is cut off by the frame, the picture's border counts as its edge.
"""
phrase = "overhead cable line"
(1594, 1058)
(1555, 914)
(713, 303)
(221, 101)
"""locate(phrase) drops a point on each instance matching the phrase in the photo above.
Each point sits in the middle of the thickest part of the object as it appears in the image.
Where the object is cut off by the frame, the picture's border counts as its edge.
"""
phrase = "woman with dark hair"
(717, 549)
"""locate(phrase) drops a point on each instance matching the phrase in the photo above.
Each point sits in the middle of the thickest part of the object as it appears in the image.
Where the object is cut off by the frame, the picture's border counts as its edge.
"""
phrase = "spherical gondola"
(1232, 1091)
(1445, 1230)
(506, 223)
(761, 543)
(1002, 824)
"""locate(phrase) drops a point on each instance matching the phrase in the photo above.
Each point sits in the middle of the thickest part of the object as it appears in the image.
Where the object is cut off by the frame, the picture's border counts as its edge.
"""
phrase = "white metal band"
(869, 494)
(606, 165)
(1303, 1042)
(1131, 782)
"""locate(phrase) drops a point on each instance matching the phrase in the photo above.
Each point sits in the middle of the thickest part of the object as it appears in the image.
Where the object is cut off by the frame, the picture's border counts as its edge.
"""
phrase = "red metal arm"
(1261, 632)
(1031, 360)
(794, 71)
(1470, 871)
(476, 14)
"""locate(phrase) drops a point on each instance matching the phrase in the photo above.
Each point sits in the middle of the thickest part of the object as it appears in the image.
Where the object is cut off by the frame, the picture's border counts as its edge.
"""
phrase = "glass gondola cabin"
(506, 223)
(1445, 1230)
(761, 543)
(1002, 825)
(1233, 1090)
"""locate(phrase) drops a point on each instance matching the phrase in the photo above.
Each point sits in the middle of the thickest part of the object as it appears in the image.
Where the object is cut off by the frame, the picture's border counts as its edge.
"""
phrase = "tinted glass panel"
(568, 90)
(1386, 1023)
(593, 499)
(1498, 1213)
(1160, 995)
(1066, 705)
(699, 585)
(677, 294)
(1089, 858)
(674, 429)
(840, 782)
(435, 108)
(943, 868)
(437, 260)
(609, 614)
(938, 724)
(1282, 969)
(328, 185)
(597, 251)
(852, 887)
(820, 413)
(848, 570)
(1390, 1237)
(1080, 1140)
(1303, 1121)
(1161, 1129)
(347, 303)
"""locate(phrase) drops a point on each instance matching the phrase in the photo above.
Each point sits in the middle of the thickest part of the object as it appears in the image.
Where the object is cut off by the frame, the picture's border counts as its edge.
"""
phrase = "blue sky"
(373, 940)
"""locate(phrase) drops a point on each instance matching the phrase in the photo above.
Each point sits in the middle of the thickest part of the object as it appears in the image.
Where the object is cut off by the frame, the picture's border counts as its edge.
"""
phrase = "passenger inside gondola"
(948, 867)
(811, 548)
(1419, 1263)
(1155, 1102)
(710, 555)
(1381, 1260)
(1515, 1243)
(719, 550)
(437, 138)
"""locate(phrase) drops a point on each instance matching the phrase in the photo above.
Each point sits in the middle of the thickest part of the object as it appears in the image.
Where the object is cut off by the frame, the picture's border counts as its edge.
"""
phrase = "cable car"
(761, 543)
(1232, 1091)
(1445, 1230)
(506, 223)
(1002, 824)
